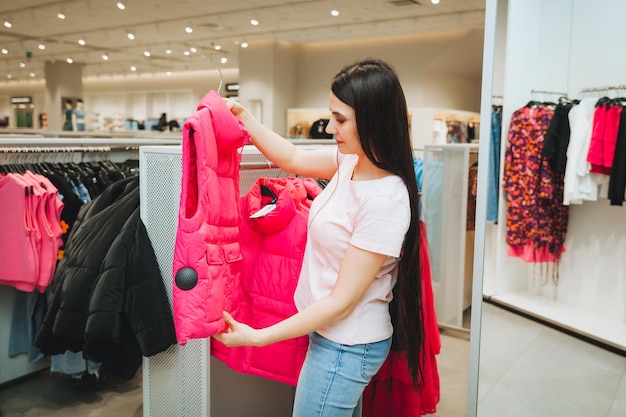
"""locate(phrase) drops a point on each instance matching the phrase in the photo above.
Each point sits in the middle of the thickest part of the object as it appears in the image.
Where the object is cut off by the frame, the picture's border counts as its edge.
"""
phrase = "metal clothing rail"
(609, 88)
(84, 142)
(555, 93)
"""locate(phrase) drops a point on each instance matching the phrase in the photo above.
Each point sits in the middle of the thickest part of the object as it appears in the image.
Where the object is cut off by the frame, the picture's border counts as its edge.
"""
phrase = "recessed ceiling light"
(105, 57)
(4, 51)
(254, 22)
(434, 1)
(188, 29)
(133, 68)
(22, 65)
(146, 54)
(244, 44)
(168, 51)
(42, 46)
(69, 60)
(334, 12)
(82, 42)
(7, 24)
(130, 35)
(121, 5)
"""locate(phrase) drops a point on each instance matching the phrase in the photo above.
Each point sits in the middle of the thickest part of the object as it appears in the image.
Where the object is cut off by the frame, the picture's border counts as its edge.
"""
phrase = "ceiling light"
(224, 60)
(22, 65)
(146, 54)
(105, 57)
(82, 42)
(7, 24)
(193, 50)
(32, 75)
(168, 51)
(168, 73)
(133, 68)
(9, 76)
(186, 53)
(121, 5)
(69, 60)
(61, 14)
(217, 46)
(130, 35)
(255, 20)
(188, 29)
(42, 46)
(334, 12)
(4, 51)
(434, 1)
(244, 44)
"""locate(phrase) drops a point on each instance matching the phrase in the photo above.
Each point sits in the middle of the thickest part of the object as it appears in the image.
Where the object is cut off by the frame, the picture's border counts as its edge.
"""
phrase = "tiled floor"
(531, 370)
(527, 369)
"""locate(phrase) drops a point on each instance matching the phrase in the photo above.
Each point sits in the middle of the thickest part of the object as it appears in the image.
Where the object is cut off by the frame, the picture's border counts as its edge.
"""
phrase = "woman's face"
(342, 125)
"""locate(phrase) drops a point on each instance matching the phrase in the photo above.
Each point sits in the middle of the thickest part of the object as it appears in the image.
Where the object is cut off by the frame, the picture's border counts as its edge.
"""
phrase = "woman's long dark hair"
(372, 88)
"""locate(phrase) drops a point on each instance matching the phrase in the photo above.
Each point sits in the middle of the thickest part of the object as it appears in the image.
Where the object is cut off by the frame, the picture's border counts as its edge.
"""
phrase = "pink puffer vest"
(207, 257)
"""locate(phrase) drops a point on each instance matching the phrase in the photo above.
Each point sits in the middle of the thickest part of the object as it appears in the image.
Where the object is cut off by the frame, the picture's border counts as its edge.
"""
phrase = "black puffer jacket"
(108, 299)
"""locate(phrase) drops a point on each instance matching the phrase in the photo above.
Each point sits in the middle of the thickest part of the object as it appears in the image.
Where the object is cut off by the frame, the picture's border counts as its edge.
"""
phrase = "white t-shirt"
(373, 215)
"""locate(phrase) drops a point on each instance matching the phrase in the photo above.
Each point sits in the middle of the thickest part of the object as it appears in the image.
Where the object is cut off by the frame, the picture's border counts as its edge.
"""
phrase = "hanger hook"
(221, 81)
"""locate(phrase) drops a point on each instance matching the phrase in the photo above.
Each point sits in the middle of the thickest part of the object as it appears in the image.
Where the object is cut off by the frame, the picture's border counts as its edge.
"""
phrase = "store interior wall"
(437, 70)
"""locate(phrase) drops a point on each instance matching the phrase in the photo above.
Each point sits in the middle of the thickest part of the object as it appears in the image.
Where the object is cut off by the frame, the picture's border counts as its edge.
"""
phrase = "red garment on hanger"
(391, 392)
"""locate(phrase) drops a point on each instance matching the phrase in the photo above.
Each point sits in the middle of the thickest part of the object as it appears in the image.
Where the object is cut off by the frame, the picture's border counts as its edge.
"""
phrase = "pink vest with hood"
(272, 247)
(207, 256)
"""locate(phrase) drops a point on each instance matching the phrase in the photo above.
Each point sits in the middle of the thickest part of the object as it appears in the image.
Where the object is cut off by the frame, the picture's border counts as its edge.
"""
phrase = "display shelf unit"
(300, 120)
(425, 128)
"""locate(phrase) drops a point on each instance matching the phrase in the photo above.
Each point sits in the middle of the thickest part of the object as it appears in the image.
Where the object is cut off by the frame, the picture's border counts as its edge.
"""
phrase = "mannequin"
(78, 117)
(68, 115)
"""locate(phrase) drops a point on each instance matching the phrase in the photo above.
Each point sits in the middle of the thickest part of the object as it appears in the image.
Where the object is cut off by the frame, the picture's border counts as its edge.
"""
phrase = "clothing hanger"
(219, 88)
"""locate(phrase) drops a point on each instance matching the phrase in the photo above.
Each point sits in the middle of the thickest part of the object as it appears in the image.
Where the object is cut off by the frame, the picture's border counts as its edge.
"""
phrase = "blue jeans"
(334, 376)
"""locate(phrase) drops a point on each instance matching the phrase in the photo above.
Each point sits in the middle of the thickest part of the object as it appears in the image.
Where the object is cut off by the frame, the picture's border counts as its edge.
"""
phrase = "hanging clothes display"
(272, 248)
(536, 219)
(108, 299)
(391, 393)
(207, 257)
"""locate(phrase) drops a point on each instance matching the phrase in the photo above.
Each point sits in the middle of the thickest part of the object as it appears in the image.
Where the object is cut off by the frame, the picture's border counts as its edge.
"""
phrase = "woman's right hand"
(235, 107)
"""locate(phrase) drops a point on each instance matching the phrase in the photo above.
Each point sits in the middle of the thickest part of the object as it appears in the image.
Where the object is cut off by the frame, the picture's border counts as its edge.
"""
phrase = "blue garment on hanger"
(493, 184)
(28, 311)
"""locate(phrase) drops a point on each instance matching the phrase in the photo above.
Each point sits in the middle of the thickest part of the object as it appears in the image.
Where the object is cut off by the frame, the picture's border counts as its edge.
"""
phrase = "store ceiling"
(159, 26)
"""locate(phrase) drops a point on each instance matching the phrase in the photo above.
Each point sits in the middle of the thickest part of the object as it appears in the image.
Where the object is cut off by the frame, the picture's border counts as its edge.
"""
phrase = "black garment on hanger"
(617, 179)
(557, 138)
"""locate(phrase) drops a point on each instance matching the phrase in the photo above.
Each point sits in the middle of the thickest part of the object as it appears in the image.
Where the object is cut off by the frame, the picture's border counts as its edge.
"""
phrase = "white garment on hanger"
(580, 184)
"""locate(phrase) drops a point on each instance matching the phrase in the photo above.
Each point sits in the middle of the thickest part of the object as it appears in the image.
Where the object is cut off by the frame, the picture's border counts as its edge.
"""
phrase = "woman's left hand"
(237, 334)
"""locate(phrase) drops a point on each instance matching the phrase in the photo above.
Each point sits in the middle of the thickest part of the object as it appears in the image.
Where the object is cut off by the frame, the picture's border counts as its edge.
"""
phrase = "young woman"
(362, 241)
